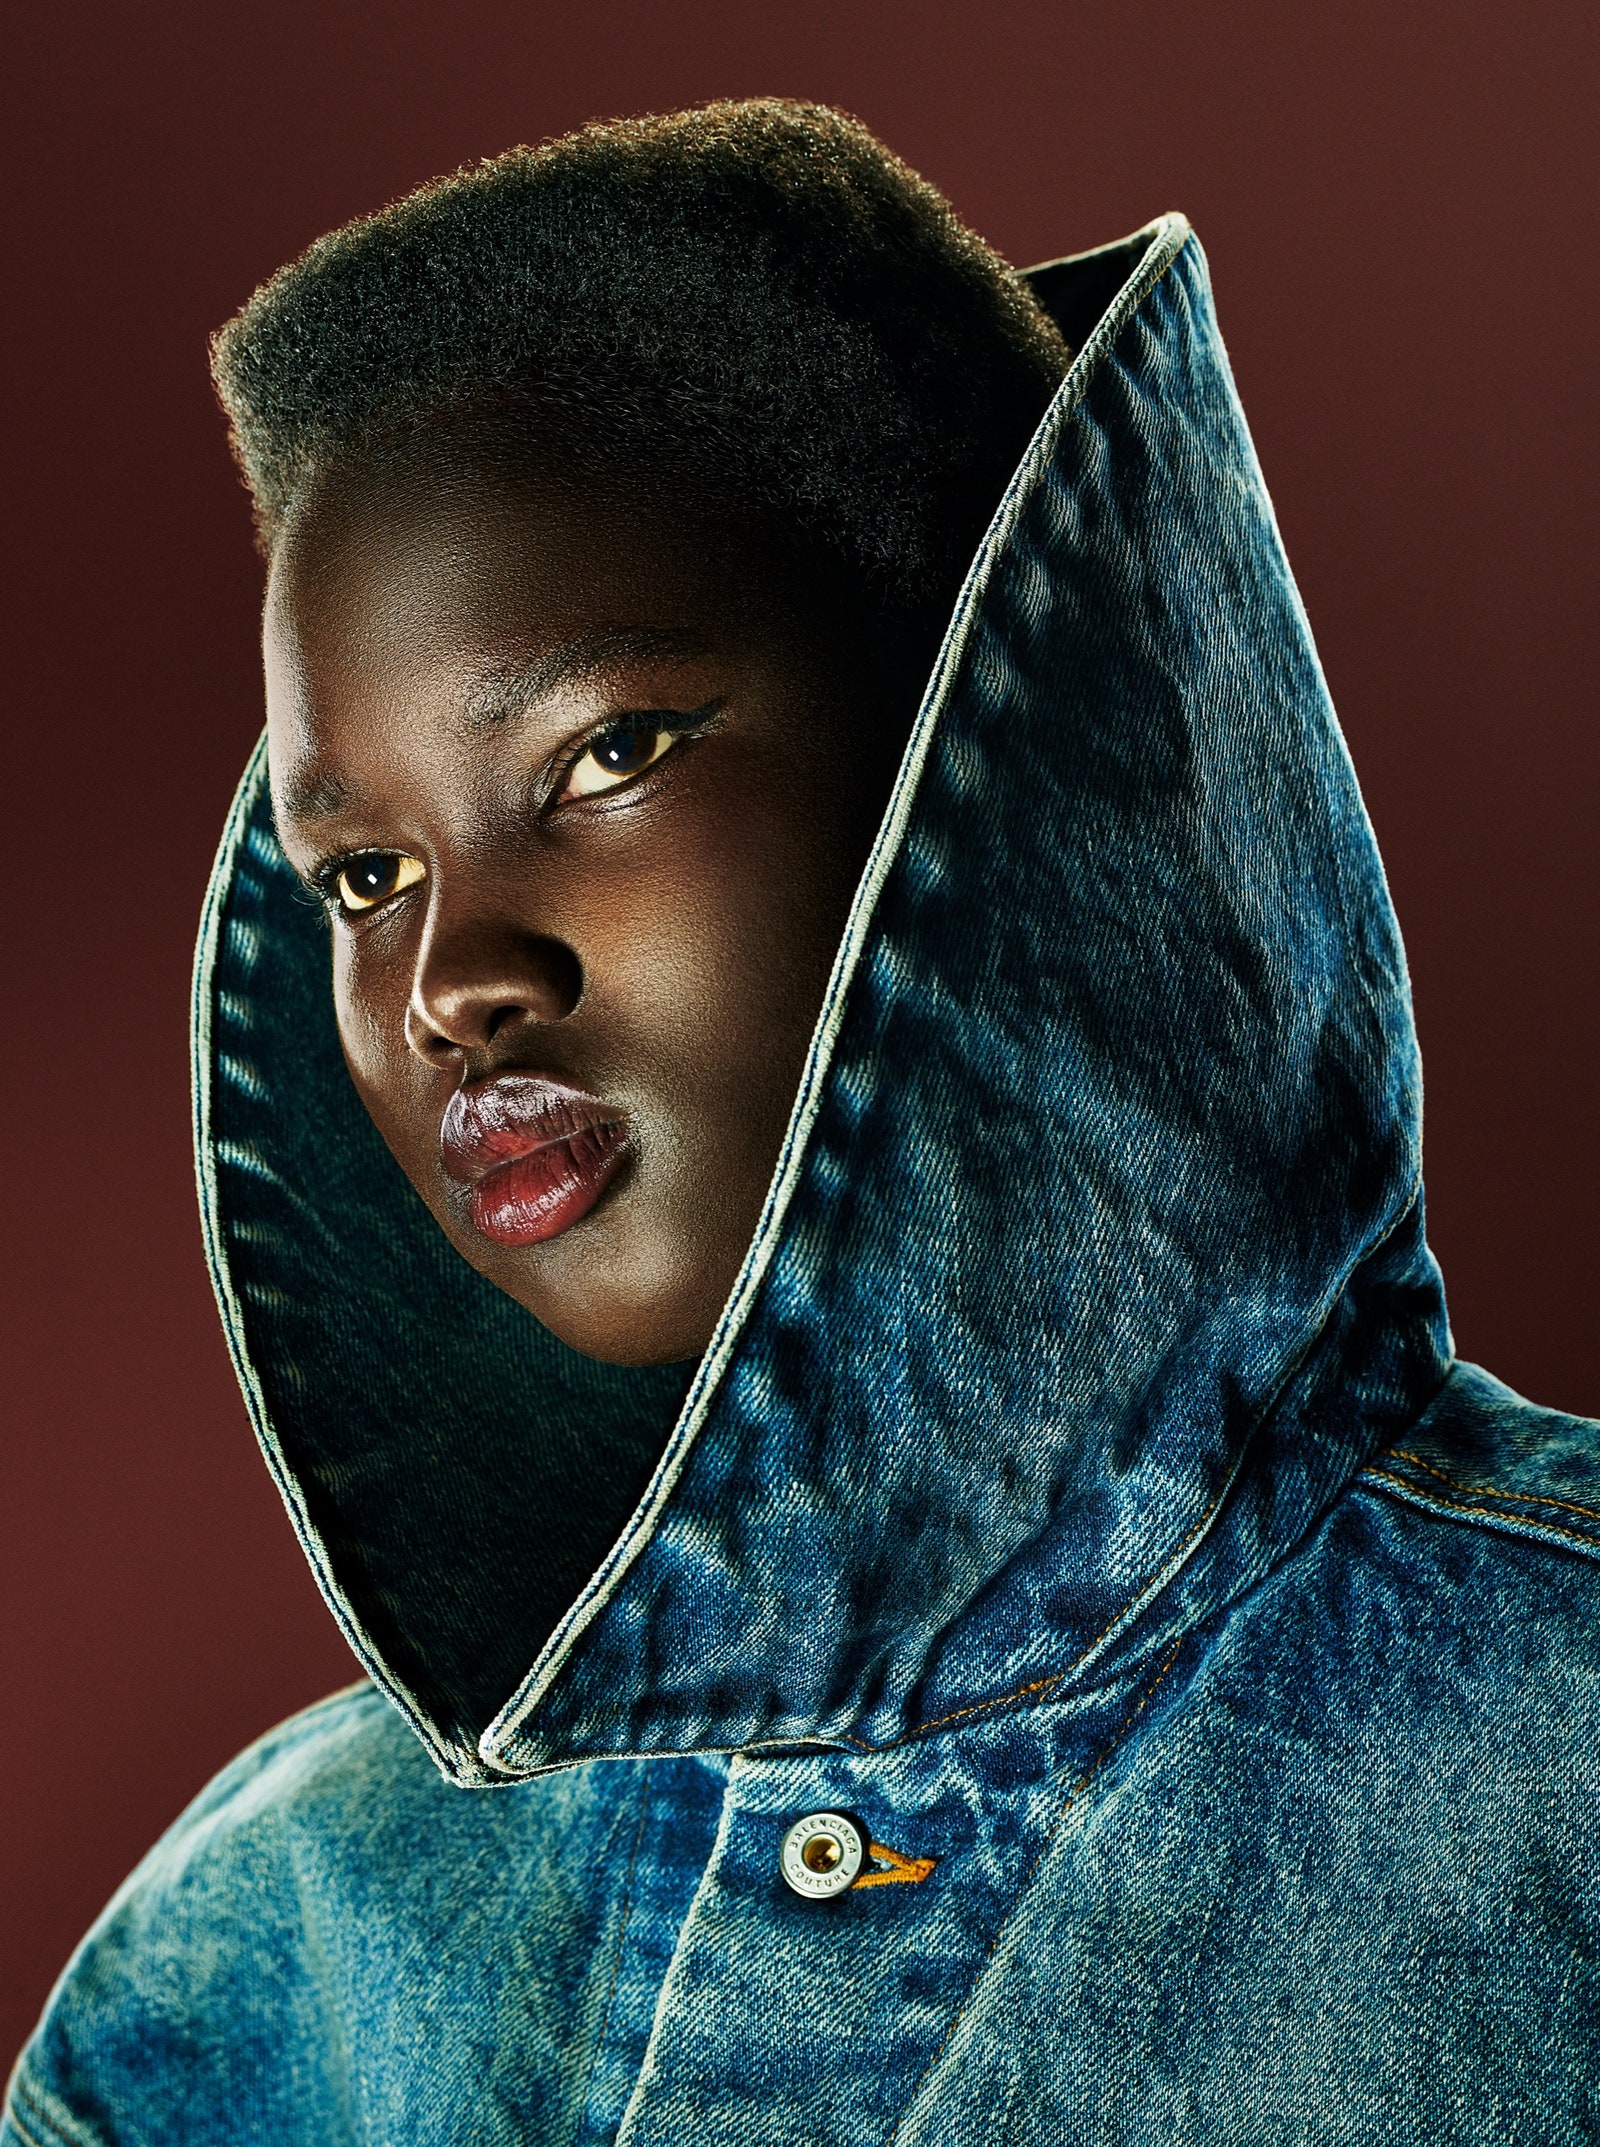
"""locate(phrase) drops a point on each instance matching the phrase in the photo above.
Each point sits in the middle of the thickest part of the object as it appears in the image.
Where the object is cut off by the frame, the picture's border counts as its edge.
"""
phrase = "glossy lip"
(537, 1154)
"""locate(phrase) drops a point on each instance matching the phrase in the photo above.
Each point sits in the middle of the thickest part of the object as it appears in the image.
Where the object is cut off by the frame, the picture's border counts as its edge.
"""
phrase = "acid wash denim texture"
(1079, 1489)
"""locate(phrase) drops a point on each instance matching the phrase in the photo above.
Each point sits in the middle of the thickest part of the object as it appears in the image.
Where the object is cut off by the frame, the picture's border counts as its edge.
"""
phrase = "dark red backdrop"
(1397, 202)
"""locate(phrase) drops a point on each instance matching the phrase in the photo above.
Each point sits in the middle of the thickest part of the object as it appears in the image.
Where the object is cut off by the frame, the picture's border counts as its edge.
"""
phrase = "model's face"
(588, 790)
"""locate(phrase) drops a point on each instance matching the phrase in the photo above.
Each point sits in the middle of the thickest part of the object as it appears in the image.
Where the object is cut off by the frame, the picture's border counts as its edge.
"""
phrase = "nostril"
(565, 979)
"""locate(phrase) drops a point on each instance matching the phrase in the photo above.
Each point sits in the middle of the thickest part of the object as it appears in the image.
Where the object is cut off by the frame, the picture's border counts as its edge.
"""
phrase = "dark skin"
(612, 771)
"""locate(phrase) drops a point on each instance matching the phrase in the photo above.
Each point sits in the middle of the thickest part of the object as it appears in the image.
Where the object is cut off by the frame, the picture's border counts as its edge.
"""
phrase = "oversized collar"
(1093, 1262)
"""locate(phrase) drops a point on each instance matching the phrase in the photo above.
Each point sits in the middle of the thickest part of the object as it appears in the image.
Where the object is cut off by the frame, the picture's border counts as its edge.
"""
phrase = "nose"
(474, 977)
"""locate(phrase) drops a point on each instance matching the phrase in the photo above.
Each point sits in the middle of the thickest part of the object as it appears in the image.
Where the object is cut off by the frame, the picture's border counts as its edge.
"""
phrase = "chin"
(626, 1334)
(613, 1310)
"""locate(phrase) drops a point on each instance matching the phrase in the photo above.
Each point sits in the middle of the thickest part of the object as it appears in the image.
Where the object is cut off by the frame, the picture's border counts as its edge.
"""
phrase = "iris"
(376, 876)
(620, 752)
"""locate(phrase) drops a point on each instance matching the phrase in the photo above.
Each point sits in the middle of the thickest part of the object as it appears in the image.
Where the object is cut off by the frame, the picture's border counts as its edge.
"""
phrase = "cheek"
(369, 1001)
(721, 959)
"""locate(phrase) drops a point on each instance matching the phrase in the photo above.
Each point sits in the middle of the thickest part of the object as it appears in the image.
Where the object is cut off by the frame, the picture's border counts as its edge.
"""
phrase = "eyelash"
(324, 883)
(675, 727)
(324, 878)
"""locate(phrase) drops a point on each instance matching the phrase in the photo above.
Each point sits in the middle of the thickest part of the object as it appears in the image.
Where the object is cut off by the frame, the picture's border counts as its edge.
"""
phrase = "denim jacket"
(1078, 1523)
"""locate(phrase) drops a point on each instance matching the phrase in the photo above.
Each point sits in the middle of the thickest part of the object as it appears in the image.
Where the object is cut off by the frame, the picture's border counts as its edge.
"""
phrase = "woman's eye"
(366, 881)
(617, 755)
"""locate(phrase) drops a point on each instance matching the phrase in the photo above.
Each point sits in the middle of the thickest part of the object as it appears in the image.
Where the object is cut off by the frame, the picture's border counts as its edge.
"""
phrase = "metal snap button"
(822, 1854)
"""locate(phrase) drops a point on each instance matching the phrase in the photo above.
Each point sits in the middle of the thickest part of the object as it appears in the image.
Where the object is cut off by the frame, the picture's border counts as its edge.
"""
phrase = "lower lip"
(546, 1191)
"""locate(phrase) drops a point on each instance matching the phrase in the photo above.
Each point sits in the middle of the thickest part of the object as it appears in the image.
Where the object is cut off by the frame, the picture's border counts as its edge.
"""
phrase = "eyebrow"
(507, 694)
(312, 796)
(504, 695)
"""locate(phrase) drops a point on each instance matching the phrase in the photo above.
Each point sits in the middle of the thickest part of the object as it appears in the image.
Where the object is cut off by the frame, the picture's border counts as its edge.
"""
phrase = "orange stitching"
(1073, 1795)
(1526, 1498)
(22, 2093)
(1554, 1528)
(940, 1722)
(1043, 1684)
(903, 1870)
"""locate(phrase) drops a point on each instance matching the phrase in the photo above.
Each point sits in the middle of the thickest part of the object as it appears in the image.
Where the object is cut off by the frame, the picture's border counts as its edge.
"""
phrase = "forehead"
(437, 567)
(393, 588)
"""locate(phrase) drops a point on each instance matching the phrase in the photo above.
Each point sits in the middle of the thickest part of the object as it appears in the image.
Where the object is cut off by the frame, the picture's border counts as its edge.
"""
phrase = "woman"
(895, 1409)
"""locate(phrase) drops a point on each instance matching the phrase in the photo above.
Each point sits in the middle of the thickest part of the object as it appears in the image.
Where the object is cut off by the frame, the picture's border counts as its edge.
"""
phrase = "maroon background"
(1397, 203)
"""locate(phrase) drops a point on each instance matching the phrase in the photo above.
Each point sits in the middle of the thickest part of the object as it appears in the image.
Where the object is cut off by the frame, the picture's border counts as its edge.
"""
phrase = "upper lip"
(497, 1121)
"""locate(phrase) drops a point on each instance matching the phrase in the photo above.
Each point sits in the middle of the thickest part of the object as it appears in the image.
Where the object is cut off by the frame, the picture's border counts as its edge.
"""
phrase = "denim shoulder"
(202, 1953)
(1484, 1456)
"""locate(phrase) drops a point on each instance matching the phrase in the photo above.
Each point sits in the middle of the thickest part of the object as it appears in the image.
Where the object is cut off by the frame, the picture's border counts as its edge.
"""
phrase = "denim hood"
(1092, 1268)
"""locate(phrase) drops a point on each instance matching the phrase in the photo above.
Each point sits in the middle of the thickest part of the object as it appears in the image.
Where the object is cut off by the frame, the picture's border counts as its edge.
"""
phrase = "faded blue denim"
(1079, 1489)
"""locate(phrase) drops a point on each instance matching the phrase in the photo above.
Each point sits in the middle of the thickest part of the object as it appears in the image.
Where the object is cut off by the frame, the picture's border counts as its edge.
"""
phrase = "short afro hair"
(753, 300)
